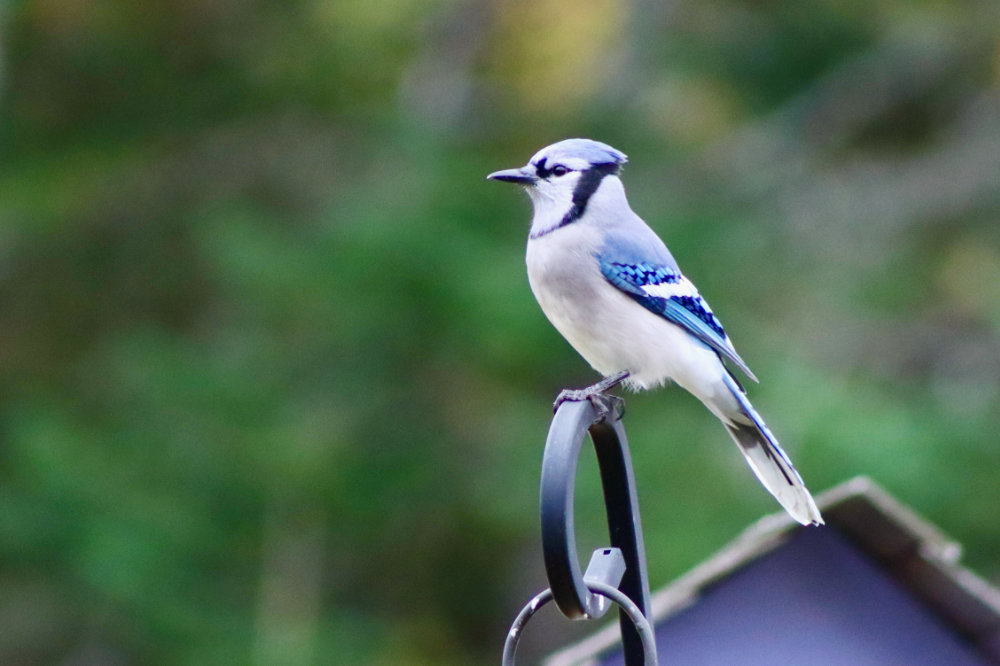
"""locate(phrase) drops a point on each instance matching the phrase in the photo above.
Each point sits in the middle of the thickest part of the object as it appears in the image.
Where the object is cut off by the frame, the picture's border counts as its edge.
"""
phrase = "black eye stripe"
(598, 171)
(541, 170)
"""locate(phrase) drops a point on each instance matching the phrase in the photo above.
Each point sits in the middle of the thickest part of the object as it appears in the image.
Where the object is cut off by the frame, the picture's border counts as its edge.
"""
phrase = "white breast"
(607, 327)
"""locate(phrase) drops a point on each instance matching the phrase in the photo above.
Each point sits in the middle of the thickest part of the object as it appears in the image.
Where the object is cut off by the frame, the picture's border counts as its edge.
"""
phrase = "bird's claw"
(605, 405)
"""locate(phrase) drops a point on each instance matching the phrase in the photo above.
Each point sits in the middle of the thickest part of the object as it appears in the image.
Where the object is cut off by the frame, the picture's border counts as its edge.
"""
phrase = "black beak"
(522, 176)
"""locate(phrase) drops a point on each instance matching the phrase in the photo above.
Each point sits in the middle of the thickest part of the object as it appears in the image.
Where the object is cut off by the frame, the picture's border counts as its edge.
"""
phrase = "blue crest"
(593, 152)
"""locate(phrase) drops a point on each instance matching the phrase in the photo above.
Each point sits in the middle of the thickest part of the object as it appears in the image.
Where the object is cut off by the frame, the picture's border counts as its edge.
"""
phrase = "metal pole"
(559, 463)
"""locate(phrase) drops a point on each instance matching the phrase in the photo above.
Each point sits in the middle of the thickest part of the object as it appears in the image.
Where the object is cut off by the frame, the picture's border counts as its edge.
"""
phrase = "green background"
(273, 387)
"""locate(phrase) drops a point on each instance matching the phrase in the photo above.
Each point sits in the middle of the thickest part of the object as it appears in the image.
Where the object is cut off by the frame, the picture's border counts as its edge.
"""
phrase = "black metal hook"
(571, 590)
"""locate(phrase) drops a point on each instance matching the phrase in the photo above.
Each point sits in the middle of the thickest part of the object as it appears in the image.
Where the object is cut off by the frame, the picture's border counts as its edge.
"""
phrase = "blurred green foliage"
(274, 386)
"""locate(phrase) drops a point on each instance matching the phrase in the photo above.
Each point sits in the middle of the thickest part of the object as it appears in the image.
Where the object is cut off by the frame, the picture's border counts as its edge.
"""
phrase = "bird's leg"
(596, 395)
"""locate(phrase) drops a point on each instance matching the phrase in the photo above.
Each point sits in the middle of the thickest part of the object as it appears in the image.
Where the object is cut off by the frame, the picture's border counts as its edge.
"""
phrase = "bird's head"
(562, 178)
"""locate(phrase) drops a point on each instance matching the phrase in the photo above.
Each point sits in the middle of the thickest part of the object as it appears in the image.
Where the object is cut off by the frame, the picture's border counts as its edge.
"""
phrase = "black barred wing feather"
(666, 292)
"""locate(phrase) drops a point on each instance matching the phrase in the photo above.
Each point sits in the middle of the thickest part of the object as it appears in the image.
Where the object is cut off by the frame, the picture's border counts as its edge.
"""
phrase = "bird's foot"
(605, 405)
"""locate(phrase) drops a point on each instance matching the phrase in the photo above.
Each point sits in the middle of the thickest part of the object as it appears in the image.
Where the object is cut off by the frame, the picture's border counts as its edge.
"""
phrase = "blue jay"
(611, 287)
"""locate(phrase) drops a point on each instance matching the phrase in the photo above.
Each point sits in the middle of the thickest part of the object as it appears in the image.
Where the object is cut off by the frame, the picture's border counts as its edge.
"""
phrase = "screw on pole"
(617, 573)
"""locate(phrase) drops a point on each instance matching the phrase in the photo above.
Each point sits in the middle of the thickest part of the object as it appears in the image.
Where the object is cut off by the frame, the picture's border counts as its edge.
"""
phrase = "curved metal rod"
(559, 463)
(628, 608)
(514, 635)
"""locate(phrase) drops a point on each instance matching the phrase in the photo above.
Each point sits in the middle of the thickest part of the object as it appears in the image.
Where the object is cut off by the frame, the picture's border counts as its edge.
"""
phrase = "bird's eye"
(559, 170)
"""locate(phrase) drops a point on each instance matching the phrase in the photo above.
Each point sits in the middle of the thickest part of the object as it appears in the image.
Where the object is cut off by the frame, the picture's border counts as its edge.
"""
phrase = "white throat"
(550, 202)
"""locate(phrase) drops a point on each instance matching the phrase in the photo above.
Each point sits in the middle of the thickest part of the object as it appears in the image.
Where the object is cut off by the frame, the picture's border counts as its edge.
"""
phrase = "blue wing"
(663, 290)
